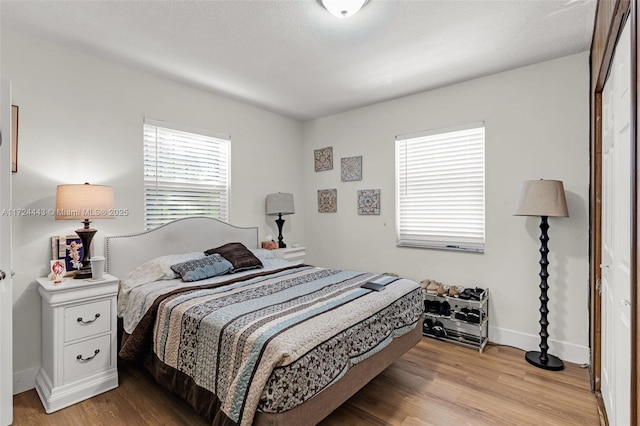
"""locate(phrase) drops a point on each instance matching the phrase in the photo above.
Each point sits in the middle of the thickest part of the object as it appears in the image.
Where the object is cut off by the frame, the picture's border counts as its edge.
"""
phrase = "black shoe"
(477, 293)
(445, 309)
(433, 306)
(438, 329)
(474, 316)
(466, 294)
(427, 325)
(462, 314)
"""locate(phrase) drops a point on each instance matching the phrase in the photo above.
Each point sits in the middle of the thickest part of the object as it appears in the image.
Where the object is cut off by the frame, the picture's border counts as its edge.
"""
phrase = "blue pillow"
(204, 267)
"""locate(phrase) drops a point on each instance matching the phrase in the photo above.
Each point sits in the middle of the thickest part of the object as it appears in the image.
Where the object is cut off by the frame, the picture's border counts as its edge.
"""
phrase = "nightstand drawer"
(87, 320)
(87, 357)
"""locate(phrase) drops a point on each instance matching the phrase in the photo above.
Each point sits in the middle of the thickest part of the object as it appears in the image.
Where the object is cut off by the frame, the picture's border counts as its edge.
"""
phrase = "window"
(440, 189)
(186, 173)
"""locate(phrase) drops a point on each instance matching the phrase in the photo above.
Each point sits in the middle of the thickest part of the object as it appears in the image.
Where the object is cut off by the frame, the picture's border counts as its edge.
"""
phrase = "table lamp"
(74, 202)
(279, 204)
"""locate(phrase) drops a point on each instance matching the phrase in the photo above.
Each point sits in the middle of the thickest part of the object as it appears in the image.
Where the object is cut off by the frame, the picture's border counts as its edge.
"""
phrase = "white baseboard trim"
(24, 380)
(528, 342)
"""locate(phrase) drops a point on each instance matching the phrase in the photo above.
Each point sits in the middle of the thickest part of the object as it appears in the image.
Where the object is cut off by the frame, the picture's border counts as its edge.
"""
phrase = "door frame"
(6, 302)
(610, 19)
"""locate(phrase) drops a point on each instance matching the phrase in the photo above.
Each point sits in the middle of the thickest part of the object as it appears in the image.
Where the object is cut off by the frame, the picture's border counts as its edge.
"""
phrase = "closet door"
(616, 229)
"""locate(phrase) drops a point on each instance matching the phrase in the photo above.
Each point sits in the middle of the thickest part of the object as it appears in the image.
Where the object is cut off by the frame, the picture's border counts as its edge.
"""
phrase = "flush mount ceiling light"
(343, 8)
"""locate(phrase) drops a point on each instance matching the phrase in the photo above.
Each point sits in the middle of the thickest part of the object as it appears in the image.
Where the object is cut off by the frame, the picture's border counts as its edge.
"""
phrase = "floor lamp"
(543, 198)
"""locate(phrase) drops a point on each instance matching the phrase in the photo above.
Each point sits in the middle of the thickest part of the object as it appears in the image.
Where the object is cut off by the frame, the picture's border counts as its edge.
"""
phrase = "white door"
(616, 230)
(6, 298)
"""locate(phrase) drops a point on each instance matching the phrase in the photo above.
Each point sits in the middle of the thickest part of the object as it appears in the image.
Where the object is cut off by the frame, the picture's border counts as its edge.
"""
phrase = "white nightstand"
(78, 340)
(292, 254)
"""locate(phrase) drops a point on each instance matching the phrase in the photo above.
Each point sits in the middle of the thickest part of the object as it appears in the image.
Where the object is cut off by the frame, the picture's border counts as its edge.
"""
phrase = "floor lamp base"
(553, 362)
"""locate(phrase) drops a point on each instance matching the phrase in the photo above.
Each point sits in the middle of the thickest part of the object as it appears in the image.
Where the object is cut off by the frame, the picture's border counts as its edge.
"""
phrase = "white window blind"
(186, 173)
(440, 189)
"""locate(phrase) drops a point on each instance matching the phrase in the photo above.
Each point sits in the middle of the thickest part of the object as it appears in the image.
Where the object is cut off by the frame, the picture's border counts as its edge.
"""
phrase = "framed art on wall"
(323, 159)
(368, 201)
(351, 168)
(327, 200)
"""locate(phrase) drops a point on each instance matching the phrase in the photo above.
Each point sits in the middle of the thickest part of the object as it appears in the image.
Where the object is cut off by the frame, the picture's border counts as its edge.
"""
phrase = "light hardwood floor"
(435, 383)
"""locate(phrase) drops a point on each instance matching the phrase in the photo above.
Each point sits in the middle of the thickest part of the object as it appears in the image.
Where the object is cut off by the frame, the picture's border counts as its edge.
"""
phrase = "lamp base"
(553, 362)
(82, 274)
(280, 223)
(86, 236)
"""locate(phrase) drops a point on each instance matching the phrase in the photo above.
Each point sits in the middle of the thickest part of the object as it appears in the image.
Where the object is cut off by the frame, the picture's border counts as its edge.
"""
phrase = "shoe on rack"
(466, 294)
(427, 325)
(438, 329)
(462, 314)
(432, 287)
(442, 289)
(424, 283)
(433, 306)
(474, 316)
(445, 309)
(477, 293)
(455, 290)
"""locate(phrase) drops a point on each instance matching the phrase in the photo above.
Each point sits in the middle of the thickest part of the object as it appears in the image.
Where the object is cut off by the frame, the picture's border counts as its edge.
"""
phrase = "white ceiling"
(294, 58)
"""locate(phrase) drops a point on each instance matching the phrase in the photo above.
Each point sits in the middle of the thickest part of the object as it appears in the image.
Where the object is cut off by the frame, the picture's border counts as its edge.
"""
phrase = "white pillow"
(155, 270)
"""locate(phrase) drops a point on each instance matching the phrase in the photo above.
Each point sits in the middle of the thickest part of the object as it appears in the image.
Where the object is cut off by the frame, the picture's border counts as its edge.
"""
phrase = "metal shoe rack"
(473, 335)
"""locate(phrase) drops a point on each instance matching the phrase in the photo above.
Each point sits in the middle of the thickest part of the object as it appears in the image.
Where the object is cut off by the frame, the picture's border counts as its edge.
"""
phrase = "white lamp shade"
(541, 198)
(85, 201)
(280, 203)
(343, 8)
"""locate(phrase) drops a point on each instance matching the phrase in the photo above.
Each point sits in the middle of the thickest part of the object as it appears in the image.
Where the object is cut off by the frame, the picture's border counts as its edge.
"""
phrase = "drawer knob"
(96, 352)
(80, 320)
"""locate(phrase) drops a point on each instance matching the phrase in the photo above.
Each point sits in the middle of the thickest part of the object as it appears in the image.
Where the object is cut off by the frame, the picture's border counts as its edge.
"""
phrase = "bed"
(280, 344)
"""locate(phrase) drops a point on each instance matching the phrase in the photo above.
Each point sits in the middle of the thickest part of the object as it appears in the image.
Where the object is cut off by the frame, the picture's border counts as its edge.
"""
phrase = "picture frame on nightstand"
(68, 248)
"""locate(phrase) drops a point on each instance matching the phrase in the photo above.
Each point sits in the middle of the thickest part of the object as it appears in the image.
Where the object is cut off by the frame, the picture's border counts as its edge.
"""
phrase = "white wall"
(537, 126)
(81, 121)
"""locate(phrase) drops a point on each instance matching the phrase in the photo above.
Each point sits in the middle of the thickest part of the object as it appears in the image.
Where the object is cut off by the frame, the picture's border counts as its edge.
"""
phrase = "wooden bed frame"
(125, 252)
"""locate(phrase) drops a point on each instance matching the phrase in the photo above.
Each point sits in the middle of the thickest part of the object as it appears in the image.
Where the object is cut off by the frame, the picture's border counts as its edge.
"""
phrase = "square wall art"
(323, 159)
(351, 168)
(368, 201)
(327, 200)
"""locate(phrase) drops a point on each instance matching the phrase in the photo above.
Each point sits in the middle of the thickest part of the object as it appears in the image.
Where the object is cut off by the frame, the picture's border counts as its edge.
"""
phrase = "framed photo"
(58, 270)
(67, 248)
(14, 138)
(73, 254)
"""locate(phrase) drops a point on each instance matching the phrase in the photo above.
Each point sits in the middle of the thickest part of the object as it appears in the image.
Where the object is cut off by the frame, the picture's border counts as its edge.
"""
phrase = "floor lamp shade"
(543, 198)
(84, 202)
(279, 204)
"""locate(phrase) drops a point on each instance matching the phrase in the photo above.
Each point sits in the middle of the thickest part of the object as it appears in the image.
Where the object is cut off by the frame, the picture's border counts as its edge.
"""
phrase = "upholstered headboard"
(125, 252)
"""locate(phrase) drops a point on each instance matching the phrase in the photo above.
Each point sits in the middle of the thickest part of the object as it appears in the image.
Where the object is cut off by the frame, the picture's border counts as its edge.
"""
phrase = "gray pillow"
(204, 267)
